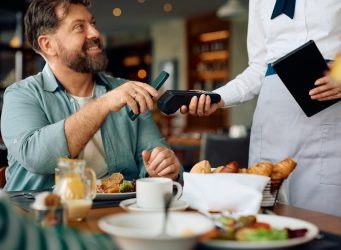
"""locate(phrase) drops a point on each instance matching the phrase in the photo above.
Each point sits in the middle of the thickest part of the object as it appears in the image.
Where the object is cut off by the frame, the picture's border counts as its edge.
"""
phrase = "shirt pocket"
(330, 156)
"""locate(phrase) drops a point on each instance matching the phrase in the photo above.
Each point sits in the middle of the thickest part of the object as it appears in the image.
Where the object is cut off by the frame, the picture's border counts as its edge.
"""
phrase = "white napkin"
(239, 193)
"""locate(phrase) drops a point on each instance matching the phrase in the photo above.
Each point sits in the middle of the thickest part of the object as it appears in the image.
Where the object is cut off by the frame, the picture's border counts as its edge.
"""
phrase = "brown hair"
(41, 18)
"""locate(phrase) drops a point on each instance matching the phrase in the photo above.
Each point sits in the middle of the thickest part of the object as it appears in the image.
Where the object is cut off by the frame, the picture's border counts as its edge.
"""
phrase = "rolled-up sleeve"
(33, 140)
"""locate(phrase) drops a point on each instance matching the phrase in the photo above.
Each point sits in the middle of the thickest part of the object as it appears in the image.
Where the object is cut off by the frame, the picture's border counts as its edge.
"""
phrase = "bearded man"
(73, 109)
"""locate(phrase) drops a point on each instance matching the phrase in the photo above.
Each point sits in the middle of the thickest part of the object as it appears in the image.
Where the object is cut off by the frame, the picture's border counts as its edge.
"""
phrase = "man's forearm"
(81, 126)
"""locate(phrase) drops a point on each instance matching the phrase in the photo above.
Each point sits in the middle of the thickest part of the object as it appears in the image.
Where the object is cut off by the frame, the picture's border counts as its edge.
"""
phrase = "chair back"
(219, 149)
(3, 164)
(2, 176)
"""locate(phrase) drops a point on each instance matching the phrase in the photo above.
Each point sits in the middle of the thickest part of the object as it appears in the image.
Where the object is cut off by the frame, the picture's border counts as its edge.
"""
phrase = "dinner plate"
(276, 222)
(115, 196)
(131, 205)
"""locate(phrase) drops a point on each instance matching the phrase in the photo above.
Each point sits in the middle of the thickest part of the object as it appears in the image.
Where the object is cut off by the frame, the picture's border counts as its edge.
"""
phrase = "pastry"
(242, 171)
(231, 167)
(202, 167)
(218, 169)
(282, 169)
(262, 168)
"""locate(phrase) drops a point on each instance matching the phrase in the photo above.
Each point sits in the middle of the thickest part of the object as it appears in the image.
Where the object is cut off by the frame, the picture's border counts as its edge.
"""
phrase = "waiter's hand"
(201, 106)
(161, 162)
(327, 89)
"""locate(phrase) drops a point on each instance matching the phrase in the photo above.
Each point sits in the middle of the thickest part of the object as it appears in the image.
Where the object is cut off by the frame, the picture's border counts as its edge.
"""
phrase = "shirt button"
(15, 141)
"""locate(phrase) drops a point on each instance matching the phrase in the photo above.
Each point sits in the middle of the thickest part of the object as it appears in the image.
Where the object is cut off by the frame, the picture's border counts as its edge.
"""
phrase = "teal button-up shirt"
(32, 126)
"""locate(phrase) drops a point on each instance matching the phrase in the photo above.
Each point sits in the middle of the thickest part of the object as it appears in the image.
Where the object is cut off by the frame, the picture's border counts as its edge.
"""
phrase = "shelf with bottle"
(208, 65)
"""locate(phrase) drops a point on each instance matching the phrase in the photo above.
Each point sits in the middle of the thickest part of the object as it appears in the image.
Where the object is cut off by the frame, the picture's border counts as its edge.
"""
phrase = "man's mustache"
(92, 42)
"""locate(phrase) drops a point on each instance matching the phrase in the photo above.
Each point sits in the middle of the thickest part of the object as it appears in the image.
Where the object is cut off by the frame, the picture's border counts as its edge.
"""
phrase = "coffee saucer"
(131, 205)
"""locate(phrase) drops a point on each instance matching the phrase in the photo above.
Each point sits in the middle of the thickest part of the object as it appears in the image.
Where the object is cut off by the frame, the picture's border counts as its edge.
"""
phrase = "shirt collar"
(51, 83)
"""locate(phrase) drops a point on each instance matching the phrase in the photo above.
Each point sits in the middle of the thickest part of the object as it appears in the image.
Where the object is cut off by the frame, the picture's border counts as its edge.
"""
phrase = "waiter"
(280, 128)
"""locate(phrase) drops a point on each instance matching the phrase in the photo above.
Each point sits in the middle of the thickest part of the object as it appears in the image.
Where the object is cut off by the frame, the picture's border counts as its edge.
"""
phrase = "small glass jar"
(76, 187)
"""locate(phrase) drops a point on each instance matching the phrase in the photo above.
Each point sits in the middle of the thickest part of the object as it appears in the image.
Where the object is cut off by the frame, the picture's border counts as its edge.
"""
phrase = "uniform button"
(15, 141)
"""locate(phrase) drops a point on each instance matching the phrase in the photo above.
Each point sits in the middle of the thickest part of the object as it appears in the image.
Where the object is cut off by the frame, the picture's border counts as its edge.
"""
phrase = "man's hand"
(201, 106)
(161, 161)
(81, 126)
(137, 95)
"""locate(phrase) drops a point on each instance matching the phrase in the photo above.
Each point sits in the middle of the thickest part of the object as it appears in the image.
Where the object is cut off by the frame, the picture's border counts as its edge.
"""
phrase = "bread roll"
(218, 169)
(202, 167)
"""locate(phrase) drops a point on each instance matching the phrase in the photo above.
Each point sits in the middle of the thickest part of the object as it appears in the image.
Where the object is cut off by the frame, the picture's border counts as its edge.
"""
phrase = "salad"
(247, 228)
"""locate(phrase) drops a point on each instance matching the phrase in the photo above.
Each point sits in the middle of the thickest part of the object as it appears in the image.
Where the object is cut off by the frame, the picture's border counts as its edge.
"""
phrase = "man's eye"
(79, 27)
(93, 23)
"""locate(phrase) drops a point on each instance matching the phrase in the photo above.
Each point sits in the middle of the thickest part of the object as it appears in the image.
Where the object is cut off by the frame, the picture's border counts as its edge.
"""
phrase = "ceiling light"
(232, 9)
(142, 74)
(167, 7)
(116, 11)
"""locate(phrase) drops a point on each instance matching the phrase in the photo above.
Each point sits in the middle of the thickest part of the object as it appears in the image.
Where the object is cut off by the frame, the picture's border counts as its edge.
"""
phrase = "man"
(70, 109)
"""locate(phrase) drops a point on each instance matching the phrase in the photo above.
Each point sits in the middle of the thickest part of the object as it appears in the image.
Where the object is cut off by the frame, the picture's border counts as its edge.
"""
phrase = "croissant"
(231, 167)
(242, 171)
(262, 168)
(282, 169)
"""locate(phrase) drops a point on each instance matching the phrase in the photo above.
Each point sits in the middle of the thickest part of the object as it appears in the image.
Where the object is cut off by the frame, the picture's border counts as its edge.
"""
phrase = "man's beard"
(80, 61)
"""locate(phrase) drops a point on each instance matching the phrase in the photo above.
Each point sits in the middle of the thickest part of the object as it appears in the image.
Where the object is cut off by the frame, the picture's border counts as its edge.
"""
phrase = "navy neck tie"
(286, 7)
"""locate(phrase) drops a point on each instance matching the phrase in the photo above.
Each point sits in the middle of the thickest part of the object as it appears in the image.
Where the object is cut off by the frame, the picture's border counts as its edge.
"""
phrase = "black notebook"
(299, 70)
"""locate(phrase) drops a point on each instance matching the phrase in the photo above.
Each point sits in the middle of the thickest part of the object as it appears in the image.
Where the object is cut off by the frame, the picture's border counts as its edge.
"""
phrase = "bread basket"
(270, 193)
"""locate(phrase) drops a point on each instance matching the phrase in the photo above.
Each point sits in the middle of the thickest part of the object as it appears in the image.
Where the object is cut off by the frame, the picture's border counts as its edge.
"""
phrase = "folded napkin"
(238, 193)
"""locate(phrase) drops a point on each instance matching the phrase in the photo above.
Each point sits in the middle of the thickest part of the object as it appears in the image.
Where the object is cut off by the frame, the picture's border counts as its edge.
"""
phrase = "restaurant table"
(329, 226)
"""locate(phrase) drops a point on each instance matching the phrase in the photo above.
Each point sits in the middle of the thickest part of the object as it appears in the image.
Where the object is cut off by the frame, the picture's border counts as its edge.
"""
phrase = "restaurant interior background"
(200, 48)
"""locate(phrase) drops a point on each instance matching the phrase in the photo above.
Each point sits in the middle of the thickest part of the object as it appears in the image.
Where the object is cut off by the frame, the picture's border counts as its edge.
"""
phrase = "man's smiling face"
(79, 44)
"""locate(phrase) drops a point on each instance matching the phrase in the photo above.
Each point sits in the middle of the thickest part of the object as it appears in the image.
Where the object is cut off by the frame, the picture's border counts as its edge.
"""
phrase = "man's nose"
(92, 32)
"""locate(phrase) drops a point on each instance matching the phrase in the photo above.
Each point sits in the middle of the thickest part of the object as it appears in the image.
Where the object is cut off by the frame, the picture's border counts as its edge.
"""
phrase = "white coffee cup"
(150, 191)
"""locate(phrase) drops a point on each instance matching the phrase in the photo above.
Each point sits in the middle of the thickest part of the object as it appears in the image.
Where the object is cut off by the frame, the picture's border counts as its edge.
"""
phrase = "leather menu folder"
(299, 70)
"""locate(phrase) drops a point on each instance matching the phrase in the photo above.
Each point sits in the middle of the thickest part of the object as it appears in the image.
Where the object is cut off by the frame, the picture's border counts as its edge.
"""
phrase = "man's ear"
(46, 45)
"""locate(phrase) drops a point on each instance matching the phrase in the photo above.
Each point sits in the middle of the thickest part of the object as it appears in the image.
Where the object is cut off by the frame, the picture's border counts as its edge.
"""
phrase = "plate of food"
(115, 187)
(261, 232)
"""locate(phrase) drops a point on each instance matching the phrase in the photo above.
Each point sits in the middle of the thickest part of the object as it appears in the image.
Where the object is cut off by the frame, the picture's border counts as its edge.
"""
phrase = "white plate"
(276, 222)
(130, 205)
(114, 196)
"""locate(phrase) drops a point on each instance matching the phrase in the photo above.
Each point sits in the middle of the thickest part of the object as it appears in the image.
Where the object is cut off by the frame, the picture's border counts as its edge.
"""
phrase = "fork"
(216, 222)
